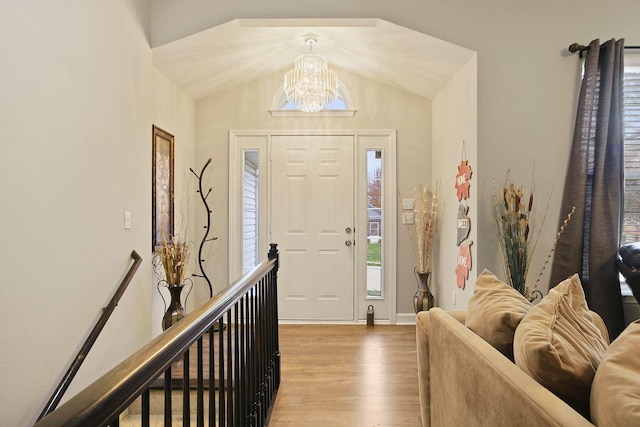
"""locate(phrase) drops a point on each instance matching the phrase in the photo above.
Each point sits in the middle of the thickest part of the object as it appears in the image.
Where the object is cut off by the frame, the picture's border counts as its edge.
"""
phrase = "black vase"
(175, 311)
(423, 299)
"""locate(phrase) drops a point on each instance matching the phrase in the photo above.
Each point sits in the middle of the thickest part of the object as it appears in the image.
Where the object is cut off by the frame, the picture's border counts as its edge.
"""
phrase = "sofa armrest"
(460, 316)
(422, 347)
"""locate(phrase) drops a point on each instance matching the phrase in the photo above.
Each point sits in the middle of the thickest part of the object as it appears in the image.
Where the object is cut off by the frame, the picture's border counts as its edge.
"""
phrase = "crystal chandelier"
(310, 84)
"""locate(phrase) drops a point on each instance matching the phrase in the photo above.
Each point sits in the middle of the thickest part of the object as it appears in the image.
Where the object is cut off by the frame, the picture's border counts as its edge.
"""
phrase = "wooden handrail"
(62, 387)
(112, 393)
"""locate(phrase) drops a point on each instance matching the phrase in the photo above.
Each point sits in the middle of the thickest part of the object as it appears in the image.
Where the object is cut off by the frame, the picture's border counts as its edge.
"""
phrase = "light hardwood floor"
(347, 375)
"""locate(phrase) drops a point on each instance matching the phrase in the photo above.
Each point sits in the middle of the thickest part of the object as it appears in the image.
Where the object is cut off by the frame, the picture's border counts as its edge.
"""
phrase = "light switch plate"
(407, 217)
(407, 204)
(127, 220)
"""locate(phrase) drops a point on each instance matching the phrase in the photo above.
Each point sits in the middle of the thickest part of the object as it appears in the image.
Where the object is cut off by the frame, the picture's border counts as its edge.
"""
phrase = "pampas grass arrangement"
(173, 256)
(425, 210)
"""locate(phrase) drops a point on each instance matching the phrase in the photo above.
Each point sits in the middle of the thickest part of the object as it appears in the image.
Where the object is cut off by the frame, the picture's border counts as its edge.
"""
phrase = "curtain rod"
(576, 47)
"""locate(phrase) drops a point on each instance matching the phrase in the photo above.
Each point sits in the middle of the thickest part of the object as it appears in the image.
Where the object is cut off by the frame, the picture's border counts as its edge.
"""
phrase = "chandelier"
(310, 84)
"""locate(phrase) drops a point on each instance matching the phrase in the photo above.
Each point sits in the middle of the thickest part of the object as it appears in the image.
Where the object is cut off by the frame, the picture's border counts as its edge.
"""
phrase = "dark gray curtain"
(594, 185)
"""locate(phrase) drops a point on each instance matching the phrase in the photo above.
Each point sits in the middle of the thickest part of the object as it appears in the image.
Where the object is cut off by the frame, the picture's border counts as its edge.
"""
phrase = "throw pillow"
(615, 394)
(494, 312)
(559, 345)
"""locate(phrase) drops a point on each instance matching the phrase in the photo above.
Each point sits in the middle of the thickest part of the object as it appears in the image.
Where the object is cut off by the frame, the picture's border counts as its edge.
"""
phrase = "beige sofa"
(464, 381)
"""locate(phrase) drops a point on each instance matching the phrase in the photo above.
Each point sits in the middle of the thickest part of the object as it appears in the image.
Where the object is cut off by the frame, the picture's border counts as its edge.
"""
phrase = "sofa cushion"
(615, 393)
(558, 344)
(494, 312)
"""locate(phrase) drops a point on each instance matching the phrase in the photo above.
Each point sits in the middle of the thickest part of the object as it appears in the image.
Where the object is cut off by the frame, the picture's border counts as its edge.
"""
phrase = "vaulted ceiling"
(245, 49)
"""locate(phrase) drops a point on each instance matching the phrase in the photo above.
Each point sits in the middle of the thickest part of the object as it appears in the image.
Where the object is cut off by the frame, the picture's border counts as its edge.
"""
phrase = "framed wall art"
(162, 182)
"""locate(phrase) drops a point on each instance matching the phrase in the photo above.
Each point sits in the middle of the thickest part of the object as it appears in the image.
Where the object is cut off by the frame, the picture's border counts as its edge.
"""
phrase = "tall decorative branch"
(555, 243)
(207, 227)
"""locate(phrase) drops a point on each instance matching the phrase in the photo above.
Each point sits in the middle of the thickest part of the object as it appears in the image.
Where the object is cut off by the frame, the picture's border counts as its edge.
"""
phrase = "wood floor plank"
(347, 375)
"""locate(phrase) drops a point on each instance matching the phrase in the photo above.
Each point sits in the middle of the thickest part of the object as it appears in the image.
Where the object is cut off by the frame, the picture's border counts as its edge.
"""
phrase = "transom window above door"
(341, 106)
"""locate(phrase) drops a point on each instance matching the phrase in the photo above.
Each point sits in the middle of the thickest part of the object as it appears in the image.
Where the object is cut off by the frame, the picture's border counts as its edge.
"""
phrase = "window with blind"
(250, 210)
(631, 122)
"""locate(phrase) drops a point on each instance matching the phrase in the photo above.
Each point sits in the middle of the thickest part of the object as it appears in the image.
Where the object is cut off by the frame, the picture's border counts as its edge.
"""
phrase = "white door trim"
(259, 140)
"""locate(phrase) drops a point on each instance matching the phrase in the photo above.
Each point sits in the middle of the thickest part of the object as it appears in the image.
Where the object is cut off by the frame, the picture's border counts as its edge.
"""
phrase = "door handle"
(347, 242)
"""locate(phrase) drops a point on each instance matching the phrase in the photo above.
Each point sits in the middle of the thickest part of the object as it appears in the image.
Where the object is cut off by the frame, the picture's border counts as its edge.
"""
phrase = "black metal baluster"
(236, 364)
(168, 411)
(200, 387)
(250, 362)
(221, 385)
(212, 375)
(229, 372)
(246, 402)
(186, 391)
(256, 354)
(145, 408)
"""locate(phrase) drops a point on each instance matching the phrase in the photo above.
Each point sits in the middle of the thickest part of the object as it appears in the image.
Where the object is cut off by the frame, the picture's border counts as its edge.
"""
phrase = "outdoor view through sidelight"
(375, 234)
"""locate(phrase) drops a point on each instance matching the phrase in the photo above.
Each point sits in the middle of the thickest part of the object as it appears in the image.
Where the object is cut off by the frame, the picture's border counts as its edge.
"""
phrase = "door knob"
(348, 230)
(347, 242)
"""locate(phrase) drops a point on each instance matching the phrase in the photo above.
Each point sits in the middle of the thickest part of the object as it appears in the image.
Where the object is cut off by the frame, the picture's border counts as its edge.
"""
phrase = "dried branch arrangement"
(513, 209)
(425, 210)
(173, 256)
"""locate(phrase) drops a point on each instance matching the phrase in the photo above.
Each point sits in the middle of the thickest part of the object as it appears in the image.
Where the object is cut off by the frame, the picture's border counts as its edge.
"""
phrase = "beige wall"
(379, 107)
(454, 138)
(79, 96)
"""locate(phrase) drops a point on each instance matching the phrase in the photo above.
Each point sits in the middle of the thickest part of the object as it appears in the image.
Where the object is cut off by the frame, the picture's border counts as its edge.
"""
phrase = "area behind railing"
(236, 372)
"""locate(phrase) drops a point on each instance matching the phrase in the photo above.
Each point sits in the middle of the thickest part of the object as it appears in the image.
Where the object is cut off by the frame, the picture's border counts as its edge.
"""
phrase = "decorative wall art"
(463, 264)
(462, 180)
(162, 186)
(463, 223)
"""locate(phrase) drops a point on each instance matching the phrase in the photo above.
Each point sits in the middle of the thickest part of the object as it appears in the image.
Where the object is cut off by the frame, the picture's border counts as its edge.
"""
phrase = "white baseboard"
(405, 319)
(401, 319)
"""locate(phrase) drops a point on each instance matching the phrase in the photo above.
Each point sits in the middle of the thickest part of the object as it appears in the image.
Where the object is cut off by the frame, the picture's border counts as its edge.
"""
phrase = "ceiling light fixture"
(310, 84)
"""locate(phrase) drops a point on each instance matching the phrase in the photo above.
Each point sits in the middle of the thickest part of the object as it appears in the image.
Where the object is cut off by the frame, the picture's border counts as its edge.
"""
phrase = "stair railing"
(239, 327)
(62, 387)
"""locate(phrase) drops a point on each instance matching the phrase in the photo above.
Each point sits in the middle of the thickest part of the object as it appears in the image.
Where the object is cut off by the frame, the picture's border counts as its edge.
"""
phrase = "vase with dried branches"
(170, 262)
(513, 209)
(425, 210)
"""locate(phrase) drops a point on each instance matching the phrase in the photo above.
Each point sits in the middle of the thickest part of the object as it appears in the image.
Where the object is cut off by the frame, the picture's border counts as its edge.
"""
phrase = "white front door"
(312, 220)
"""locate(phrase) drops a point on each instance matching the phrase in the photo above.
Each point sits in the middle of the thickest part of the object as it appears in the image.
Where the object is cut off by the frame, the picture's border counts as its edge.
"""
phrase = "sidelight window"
(375, 232)
(250, 209)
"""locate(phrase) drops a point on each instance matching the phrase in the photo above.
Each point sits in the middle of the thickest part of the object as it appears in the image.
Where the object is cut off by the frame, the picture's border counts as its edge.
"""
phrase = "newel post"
(273, 254)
